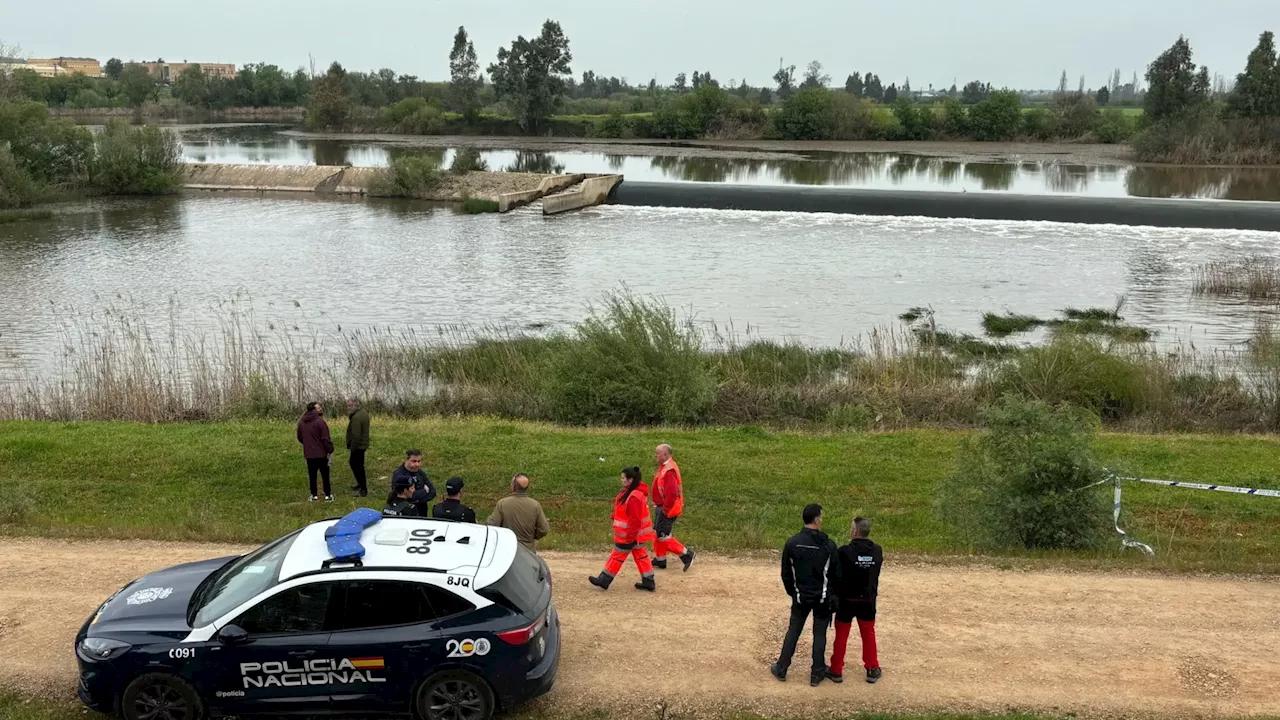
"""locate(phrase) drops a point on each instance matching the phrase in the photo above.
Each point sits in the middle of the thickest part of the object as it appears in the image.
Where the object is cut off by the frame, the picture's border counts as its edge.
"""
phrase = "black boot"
(687, 558)
(660, 564)
(647, 583)
(601, 581)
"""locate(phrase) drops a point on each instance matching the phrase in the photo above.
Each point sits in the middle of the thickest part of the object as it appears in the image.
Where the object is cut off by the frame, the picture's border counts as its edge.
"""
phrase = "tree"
(814, 77)
(192, 87)
(998, 117)
(138, 85)
(873, 88)
(952, 92)
(853, 85)
(785, 79)
(1103, 98)
(531, 77)
(464, 76)
(807, 115)
(744, 89)
(1176, 90)
(330, 100)
(974, 92)
(113, 68)
(891, 95)
(906, 89)
(766, 96)
(1257, 92)
(681, 84)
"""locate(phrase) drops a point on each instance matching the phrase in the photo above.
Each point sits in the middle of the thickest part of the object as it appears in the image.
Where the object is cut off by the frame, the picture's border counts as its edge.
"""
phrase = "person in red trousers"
(856, 590)
(631, 530)
(668, 496)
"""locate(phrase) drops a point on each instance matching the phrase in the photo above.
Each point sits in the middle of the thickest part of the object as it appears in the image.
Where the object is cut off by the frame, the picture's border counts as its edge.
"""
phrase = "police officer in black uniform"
(408, 498)
(451, 508)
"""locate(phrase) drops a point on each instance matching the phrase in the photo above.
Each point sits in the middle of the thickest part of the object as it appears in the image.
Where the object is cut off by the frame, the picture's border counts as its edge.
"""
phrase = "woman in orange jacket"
(632, 528)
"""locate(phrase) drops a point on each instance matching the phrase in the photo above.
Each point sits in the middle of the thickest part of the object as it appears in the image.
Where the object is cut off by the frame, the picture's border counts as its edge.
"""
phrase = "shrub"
(48, 150)
(807, 115)
(1039, 124)
(413, 116)
(633, 363)
(1019, 483)
(407, 176)
(955, 118)
(1114, 126)
(915, 120)
(466, 160)
(692, 114)
(1074, 369)
(136, 160)
(852, 118)
(17, 188)
(999, 117)
(478, 206)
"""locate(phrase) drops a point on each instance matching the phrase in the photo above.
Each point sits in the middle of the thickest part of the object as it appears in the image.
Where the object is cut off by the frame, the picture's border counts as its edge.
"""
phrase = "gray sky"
(1018, 43)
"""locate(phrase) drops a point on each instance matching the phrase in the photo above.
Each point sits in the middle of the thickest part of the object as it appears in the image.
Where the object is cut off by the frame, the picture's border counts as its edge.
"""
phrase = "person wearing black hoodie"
(810, 571)
(317, 447)
(860, 563)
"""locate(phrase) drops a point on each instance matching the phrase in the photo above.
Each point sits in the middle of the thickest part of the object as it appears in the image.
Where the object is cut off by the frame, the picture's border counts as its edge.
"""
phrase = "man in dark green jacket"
(357, 444)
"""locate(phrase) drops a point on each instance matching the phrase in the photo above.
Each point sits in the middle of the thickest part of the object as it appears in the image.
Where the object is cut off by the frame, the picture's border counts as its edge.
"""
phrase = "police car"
(362, 615)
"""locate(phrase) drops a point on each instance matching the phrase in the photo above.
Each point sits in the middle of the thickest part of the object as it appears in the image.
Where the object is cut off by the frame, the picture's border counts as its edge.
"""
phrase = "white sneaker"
(314, 498)
(328, 498)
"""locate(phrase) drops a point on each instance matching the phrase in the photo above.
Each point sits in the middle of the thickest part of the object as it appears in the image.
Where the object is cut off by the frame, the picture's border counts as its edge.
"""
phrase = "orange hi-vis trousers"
(613, 565)
(666, 542)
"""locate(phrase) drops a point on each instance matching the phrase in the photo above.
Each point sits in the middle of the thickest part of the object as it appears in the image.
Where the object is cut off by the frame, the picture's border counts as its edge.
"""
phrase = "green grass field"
(245, 482)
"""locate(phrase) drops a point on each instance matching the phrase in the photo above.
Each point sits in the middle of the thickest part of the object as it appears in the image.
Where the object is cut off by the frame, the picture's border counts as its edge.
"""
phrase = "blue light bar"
(343, 537)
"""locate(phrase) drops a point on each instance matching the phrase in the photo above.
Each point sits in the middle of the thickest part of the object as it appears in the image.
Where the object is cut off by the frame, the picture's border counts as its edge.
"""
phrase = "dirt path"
(951, 638)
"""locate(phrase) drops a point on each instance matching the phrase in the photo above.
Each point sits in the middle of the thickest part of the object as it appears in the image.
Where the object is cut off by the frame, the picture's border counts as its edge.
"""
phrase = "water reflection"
(903, 171)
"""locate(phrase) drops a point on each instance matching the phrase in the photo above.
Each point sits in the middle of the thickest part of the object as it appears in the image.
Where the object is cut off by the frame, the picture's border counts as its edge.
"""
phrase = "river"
(263, 144)
(311, 265)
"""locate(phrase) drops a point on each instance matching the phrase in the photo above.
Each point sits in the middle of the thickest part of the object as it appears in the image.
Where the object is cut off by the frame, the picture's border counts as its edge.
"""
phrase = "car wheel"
(455, 695)
(159, 696)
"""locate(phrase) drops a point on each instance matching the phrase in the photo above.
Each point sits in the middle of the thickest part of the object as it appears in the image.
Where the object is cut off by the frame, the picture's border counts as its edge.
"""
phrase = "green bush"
(955, 118)
(916, 121)
(1114, 126)
(136, 160)
(466, 160)
(852, 118)
(407, 176)
(1078, 370)
(17, 188)
(478, 206)
(807, 115)
(633, 363)
(1039, 123)
(413, 116)
(692, 114)
(999, 117)
(1019, 483)
(49, 151)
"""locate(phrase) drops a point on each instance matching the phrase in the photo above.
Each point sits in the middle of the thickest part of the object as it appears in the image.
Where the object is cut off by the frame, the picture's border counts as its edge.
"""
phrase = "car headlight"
(97, 649)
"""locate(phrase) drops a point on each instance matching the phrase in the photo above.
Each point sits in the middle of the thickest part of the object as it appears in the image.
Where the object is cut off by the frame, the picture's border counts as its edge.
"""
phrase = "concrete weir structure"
(1212, 214)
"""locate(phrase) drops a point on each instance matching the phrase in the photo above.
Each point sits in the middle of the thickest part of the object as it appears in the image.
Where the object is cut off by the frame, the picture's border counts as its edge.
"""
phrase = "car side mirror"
(232, 635)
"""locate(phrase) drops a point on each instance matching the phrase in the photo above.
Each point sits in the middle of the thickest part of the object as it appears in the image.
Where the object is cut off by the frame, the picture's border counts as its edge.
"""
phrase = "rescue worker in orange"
(668, 496)
(631, 530)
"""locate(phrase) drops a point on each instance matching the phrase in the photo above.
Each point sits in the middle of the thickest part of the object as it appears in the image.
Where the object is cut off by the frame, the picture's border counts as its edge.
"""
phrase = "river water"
(270, 145)
(310, 266)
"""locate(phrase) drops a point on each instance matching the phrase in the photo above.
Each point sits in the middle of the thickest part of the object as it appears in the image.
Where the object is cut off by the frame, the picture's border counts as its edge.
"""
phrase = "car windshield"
(241, 580)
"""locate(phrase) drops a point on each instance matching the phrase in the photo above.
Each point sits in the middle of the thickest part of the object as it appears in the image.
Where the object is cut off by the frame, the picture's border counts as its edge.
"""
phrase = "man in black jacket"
(451, 508)
(860, 563)
(810, 571)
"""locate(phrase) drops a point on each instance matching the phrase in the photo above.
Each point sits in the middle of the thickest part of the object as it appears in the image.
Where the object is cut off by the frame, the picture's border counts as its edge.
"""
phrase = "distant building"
(51, 67)
(167, 72)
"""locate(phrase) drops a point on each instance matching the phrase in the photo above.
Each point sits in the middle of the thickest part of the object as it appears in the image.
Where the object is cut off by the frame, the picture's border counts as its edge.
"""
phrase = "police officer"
(451, 508)
(408, 498)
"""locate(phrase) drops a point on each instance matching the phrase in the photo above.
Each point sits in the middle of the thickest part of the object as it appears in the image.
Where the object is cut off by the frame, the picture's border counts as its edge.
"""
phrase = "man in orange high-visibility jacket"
(668, 496)
(631, 530)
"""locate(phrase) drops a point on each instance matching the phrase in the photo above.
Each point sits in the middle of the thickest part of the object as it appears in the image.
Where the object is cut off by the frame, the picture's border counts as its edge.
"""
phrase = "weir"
(1212, 214)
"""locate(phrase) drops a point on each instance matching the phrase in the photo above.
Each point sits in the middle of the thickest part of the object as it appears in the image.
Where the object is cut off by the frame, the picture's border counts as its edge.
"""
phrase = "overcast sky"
(1016, 43)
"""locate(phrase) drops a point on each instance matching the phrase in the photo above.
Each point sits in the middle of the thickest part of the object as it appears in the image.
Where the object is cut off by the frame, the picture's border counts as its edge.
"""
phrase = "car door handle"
(302, 653)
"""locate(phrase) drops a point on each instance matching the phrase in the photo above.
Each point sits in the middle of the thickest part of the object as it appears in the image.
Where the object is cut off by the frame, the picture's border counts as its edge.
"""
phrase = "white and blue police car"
(356, 616)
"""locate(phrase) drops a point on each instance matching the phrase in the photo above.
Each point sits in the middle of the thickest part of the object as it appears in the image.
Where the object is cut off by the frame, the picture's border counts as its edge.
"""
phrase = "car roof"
(480, 552)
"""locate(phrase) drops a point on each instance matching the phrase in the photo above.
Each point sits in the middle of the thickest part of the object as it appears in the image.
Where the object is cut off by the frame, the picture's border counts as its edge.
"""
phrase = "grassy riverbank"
(245, 482)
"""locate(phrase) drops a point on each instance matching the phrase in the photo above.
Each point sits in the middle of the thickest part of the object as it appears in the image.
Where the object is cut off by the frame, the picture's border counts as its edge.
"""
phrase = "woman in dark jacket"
(317, 448)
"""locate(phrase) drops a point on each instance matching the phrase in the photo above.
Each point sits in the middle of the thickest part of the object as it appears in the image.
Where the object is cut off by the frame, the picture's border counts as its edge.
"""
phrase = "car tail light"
(522, 635)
